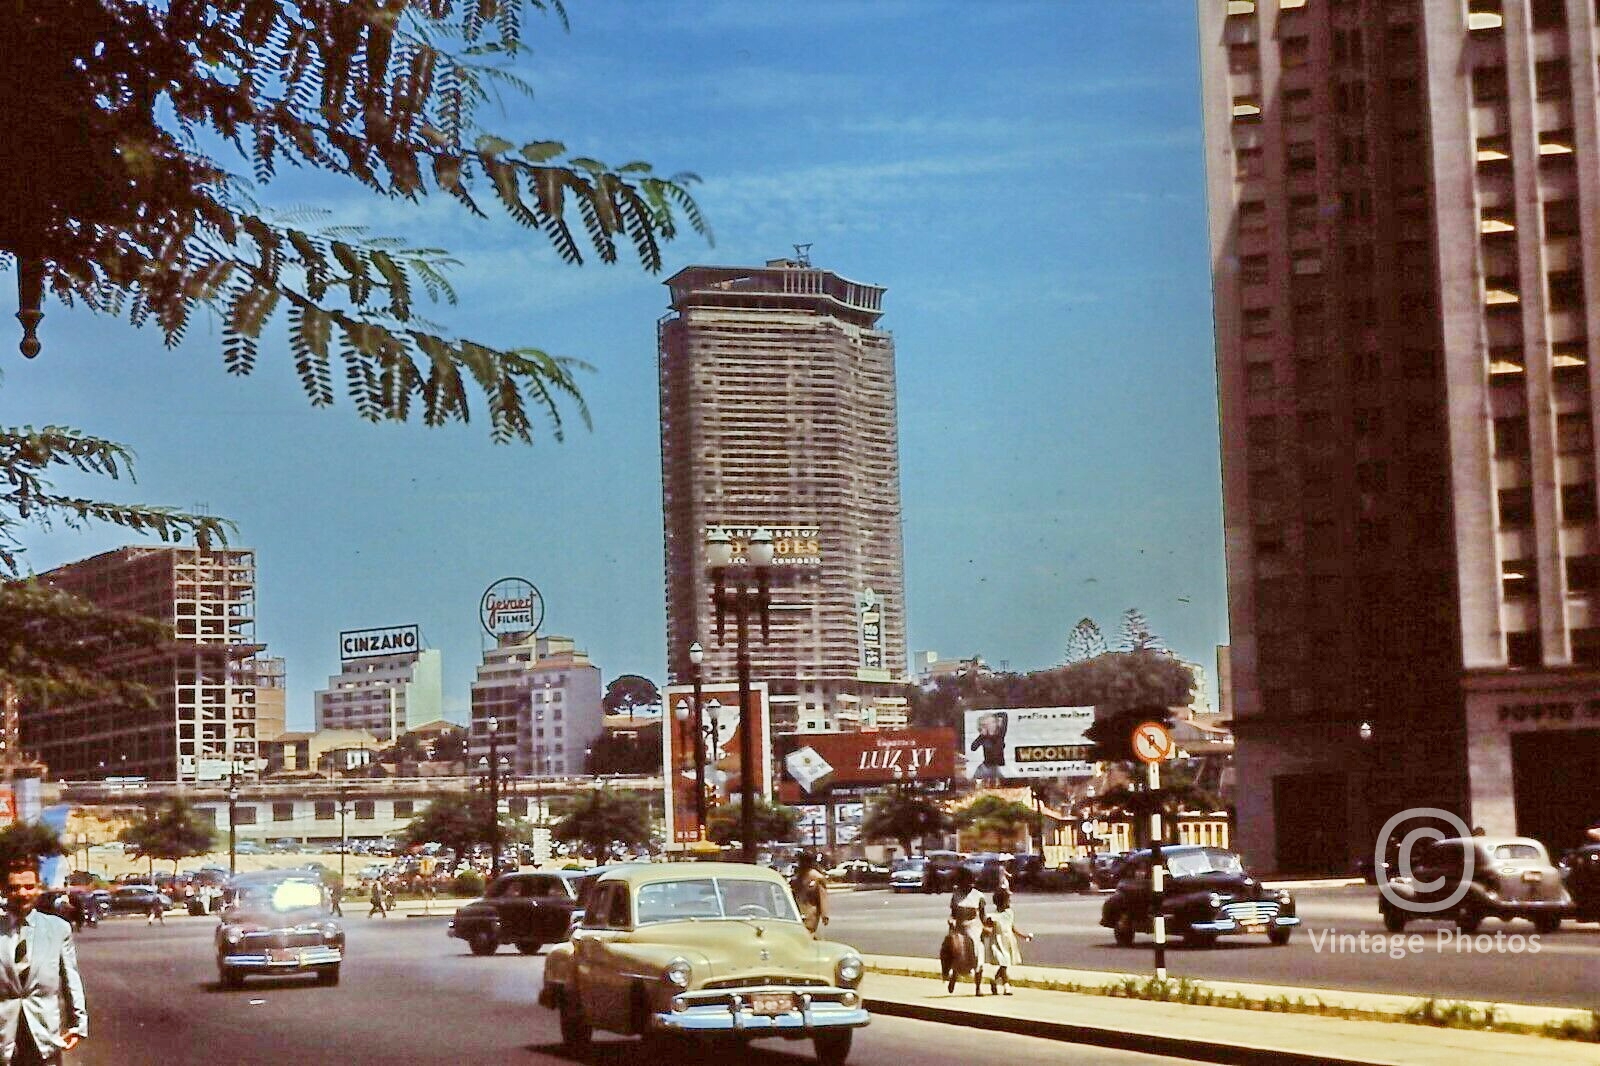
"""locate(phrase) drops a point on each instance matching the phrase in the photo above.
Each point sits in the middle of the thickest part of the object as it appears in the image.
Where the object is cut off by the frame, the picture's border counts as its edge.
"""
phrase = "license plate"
(1253, 927)
(283, 955)
(1533, 875)
(770, 1003)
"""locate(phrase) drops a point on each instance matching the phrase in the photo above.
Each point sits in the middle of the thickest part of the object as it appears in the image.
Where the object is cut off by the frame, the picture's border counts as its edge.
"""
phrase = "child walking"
(1000, 935)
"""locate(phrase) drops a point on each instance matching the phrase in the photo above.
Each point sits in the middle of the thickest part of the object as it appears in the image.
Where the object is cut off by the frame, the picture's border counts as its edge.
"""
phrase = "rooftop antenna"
(802, 254)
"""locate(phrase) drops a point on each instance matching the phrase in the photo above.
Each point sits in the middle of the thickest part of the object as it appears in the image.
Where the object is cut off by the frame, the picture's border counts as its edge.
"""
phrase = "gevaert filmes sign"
(511, 606)
(388, 640)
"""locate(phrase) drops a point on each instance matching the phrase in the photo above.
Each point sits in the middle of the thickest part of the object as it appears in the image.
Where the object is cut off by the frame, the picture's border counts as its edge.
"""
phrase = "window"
(1573, 432)
(1553, 77)
(325, 810)
(1301, 156)
(1253, 269)
(1561, 218)
(1548, 14)
(404, 808)
(1586, 647)
(1489, 83)
(1258, 322)
(245, 815)
(1566, 290)
(1519, 577)
(1248, 163)
(1252, 215)
(1583, 573)
(1516, 507)
(518, 806)
(1577, 502)
(283, 812)
(1294, 51)
(366, 810)
(1303, 213)
(1511, 436)
(1524, 650)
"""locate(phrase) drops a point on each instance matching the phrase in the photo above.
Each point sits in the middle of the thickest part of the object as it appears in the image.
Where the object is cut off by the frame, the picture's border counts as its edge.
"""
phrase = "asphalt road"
(409, 996)
(1564, 972)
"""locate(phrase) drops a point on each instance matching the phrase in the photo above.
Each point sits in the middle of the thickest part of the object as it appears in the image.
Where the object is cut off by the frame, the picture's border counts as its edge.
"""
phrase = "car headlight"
(235, 935)
(1284, 897)
(331, 932)
(848, 970)
(678, 972)
(1214, 901)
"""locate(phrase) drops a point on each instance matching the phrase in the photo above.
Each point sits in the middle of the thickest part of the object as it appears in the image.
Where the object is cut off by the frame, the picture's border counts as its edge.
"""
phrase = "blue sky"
(1026, 180)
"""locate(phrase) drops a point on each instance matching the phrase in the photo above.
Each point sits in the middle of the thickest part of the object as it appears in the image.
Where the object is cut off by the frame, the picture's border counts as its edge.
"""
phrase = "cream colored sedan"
(675, 952)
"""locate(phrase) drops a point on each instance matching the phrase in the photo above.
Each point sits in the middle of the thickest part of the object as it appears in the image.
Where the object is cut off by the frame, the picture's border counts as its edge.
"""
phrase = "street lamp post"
(344, 837)
(233, 822)
(744, 589)
(697, 655)
(494, 798)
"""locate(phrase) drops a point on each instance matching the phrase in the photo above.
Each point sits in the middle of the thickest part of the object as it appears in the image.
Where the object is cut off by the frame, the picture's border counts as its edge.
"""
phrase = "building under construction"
(202, 721)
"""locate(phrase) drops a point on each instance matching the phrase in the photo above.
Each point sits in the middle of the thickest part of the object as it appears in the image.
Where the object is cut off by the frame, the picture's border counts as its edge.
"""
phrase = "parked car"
(1031, 872)
(907, 875)
(987, 869)
(248, 847)
(858, 872)
(529, 910)
(1503, 877)
(713, 951)
(1207, 893)
(1582, 866)
(1105, 869)
(137, 899)
(278, 926)
(939, 874)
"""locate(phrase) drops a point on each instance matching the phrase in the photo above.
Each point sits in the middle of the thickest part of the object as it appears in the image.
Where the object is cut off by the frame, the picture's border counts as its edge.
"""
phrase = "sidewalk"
(1207, 1034)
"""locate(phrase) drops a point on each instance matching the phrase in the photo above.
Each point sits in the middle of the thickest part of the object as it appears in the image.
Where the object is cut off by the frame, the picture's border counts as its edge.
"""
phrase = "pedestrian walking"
(42, 1009)
(157, 911)
(962, 952)
(336, 897)
(379, 906)
(810, 887)
(1000, 936)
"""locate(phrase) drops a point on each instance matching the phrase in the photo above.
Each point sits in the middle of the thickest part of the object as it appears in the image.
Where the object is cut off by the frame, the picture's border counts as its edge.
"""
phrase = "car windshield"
(1206, 861)
(909, 864)
(1525, 852)
(713, 897)
(279, 901)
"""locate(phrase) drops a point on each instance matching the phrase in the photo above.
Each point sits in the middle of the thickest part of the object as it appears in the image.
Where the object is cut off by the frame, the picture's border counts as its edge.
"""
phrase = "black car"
(529, 910)
(1105, 869)
(1582, 871)
(939, 870)
(137, 899)
(1206, 894)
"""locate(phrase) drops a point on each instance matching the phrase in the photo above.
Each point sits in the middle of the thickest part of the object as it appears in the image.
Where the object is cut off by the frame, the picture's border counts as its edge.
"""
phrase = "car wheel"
(1468, 919)
(575, 1029)
(483, 943)
(1122, 931)
(833, 1048)
(1547, 923)
(1279, 934)
(328, 975)
(529, 947)
(231, 979)
(1394, 920)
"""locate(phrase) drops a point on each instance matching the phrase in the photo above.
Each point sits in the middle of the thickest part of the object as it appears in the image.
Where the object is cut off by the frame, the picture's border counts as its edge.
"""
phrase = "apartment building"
(388, 683)
(1402, 197)
(203, 720)
(545, 697)
(778, 412)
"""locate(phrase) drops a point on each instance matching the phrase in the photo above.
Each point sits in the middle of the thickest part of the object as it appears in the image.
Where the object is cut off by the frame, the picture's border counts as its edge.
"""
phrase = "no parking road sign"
(1151, 742)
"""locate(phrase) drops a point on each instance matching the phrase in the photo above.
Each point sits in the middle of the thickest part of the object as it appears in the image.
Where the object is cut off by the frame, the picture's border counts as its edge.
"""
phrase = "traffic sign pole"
(1157, 872)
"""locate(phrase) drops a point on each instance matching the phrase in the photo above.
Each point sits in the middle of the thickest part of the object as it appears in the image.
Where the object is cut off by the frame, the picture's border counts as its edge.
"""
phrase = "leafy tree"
(1085, 641)
(458, 821)
(600, 817)
(1109, 682)
(131, 210)
(1181, 791)
(407, 747)
(27, 842)
(630, 692)
(616, 753)
(450, 745)
(994, 818)
(170, 831)
(905, 815)
(1136, 634)
(773, 822)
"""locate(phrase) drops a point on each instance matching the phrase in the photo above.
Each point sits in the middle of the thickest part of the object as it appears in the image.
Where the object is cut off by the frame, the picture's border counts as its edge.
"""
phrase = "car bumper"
(1222, 926)
(305, 959)
(729, 1011)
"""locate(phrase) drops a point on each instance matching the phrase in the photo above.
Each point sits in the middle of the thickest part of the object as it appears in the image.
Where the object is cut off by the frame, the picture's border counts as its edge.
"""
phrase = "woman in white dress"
(1000, 936)
(967, 907)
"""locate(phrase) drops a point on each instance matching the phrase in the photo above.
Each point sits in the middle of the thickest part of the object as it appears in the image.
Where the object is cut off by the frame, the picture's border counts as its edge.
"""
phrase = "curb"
(1121, 1040)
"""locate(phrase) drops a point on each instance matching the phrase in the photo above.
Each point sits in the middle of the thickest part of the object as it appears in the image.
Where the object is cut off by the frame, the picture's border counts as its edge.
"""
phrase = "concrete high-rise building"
(778, 412)
(202, 722)
(1403, 197)
(272, 706)
(545, 696)
(387, 684)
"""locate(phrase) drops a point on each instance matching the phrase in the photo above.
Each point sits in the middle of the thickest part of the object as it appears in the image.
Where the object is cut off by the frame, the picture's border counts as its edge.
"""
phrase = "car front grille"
(765, 980)
(1251, 912)
(280, 938)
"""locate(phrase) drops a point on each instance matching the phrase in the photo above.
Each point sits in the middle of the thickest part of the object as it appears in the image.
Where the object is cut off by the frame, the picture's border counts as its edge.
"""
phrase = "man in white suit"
(42, 1011)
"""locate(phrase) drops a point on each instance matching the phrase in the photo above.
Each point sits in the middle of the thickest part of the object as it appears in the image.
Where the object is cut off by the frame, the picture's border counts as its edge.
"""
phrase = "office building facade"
(202, 722)
(778, 412)
(545, 696)
(385, 695)
(1402, 197)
